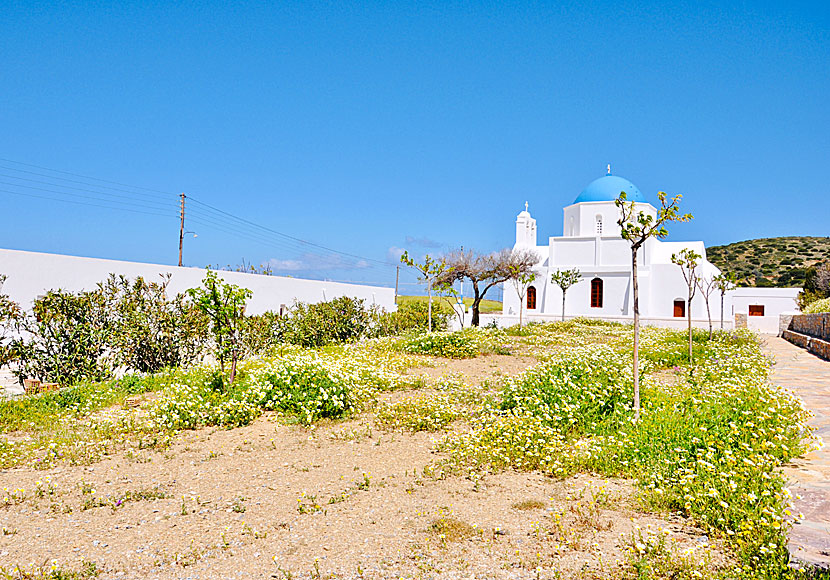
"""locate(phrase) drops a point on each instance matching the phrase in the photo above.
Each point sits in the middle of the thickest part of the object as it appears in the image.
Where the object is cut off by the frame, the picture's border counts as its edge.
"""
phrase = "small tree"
(636, 227)
(224, 304)
(724, 282)
(521, 282)
(707, 287)
(430, 269)
(565, 279)
(688, 260)
(486, 271)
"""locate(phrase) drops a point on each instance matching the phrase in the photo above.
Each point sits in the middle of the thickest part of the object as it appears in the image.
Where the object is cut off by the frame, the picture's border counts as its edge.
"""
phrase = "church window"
(599, 225)
(531, 298)
(596, 293)
(756, 309)
(679, 308)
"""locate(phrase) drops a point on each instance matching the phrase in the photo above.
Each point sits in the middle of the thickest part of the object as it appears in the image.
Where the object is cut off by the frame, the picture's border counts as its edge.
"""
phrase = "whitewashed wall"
(31, 274)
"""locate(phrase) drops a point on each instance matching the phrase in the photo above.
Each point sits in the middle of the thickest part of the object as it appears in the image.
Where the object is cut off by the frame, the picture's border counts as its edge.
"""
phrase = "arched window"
(599, 225)
(596, 293)
(573, 230)
(679, 308)
(531, 298)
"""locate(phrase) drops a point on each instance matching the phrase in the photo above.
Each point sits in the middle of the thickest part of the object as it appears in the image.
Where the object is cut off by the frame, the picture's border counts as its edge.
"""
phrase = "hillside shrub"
(818, 306)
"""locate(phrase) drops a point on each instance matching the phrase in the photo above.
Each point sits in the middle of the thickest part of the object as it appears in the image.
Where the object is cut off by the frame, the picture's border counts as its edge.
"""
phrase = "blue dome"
(608, 188)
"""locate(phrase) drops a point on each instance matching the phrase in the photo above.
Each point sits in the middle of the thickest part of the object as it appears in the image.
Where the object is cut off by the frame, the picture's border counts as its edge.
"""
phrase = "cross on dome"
(525, 206)
(609, 169)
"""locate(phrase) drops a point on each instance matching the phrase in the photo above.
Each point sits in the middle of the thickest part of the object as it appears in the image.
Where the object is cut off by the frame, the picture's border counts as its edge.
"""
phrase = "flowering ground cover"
(351, 461)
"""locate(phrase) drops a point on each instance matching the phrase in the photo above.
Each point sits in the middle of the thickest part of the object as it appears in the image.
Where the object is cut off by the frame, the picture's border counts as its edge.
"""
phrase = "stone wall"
(811, 332)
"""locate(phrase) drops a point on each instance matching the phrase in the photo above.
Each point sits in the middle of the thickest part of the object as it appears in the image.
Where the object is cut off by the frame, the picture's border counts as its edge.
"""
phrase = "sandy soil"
(343, 500)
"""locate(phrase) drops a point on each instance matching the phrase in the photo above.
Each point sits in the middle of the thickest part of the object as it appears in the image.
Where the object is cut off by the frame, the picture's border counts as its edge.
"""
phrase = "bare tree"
(637, 227)
(724, 282)
(565, 279)
(688, 261)
(485, 270)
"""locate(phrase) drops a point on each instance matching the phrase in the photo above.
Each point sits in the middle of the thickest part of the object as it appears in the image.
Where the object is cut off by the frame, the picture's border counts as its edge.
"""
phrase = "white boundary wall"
(32, 274)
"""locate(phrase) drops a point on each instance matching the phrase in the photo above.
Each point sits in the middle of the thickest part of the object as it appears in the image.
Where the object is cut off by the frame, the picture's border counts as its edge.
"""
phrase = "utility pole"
(181, 232)
(397, 277)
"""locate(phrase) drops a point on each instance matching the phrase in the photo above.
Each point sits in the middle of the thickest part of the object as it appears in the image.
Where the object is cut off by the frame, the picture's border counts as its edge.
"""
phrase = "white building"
(591, 242)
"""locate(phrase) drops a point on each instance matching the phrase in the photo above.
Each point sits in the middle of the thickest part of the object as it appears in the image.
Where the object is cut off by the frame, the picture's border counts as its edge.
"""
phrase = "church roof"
(608, 188)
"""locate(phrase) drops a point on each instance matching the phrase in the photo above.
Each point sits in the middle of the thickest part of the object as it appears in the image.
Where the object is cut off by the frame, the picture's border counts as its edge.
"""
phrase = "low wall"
(811, 332)
(31, 274)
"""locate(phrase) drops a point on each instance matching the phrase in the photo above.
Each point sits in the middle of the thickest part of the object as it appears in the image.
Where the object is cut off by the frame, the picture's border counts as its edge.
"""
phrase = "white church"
(591, 242)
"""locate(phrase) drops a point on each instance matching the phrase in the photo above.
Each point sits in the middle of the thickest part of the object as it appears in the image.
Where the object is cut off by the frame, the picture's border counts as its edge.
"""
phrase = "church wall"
(616, 252)
(571, 252)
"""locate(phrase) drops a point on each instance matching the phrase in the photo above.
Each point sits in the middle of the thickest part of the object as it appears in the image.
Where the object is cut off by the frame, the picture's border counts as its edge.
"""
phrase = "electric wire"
(199, 212)
(84, 203)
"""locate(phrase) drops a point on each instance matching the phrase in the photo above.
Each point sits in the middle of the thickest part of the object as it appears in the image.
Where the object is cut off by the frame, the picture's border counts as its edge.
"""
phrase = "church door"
(679, 308)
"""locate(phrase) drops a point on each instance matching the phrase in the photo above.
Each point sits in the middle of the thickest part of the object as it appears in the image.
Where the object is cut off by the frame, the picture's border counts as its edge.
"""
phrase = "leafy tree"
(224, 304)
(724, 282)
(521, 282)
(565, 279)
(430, 270)
(636, 227)
(10, 315)
(486, 270)
(688, 261)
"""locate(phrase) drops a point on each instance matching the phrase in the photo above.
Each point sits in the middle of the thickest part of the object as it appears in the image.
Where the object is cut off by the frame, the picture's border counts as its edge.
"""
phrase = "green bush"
(444, 344)
(343, 319)
(10, 315)
(149, 331)
(68, 335)
(413, 315)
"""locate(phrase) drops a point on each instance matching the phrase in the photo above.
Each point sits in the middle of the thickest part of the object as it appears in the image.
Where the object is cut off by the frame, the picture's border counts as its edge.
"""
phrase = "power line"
(83, 203)
(165, 193)
(203, 214)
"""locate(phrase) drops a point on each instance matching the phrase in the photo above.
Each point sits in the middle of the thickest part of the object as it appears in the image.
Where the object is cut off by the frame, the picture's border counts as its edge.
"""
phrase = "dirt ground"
(343, 500)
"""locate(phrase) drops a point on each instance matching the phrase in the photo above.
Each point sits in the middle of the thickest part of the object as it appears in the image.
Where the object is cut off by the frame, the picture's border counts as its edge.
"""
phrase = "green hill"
(781, 262)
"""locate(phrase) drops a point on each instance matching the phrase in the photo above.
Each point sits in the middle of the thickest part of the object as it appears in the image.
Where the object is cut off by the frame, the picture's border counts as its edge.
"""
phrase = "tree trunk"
(476, 303)
(636, 288)
(721, 309)
(429, 305)
(521, 307)
(234, 357)
(563, 304)
(709, 316)
(689, 318)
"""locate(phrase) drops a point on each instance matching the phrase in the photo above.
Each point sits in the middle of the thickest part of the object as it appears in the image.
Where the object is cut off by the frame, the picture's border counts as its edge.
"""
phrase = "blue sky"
(374, 126)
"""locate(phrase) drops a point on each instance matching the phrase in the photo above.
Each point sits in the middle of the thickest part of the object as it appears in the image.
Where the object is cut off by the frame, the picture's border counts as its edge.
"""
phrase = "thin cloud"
(424, 242)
